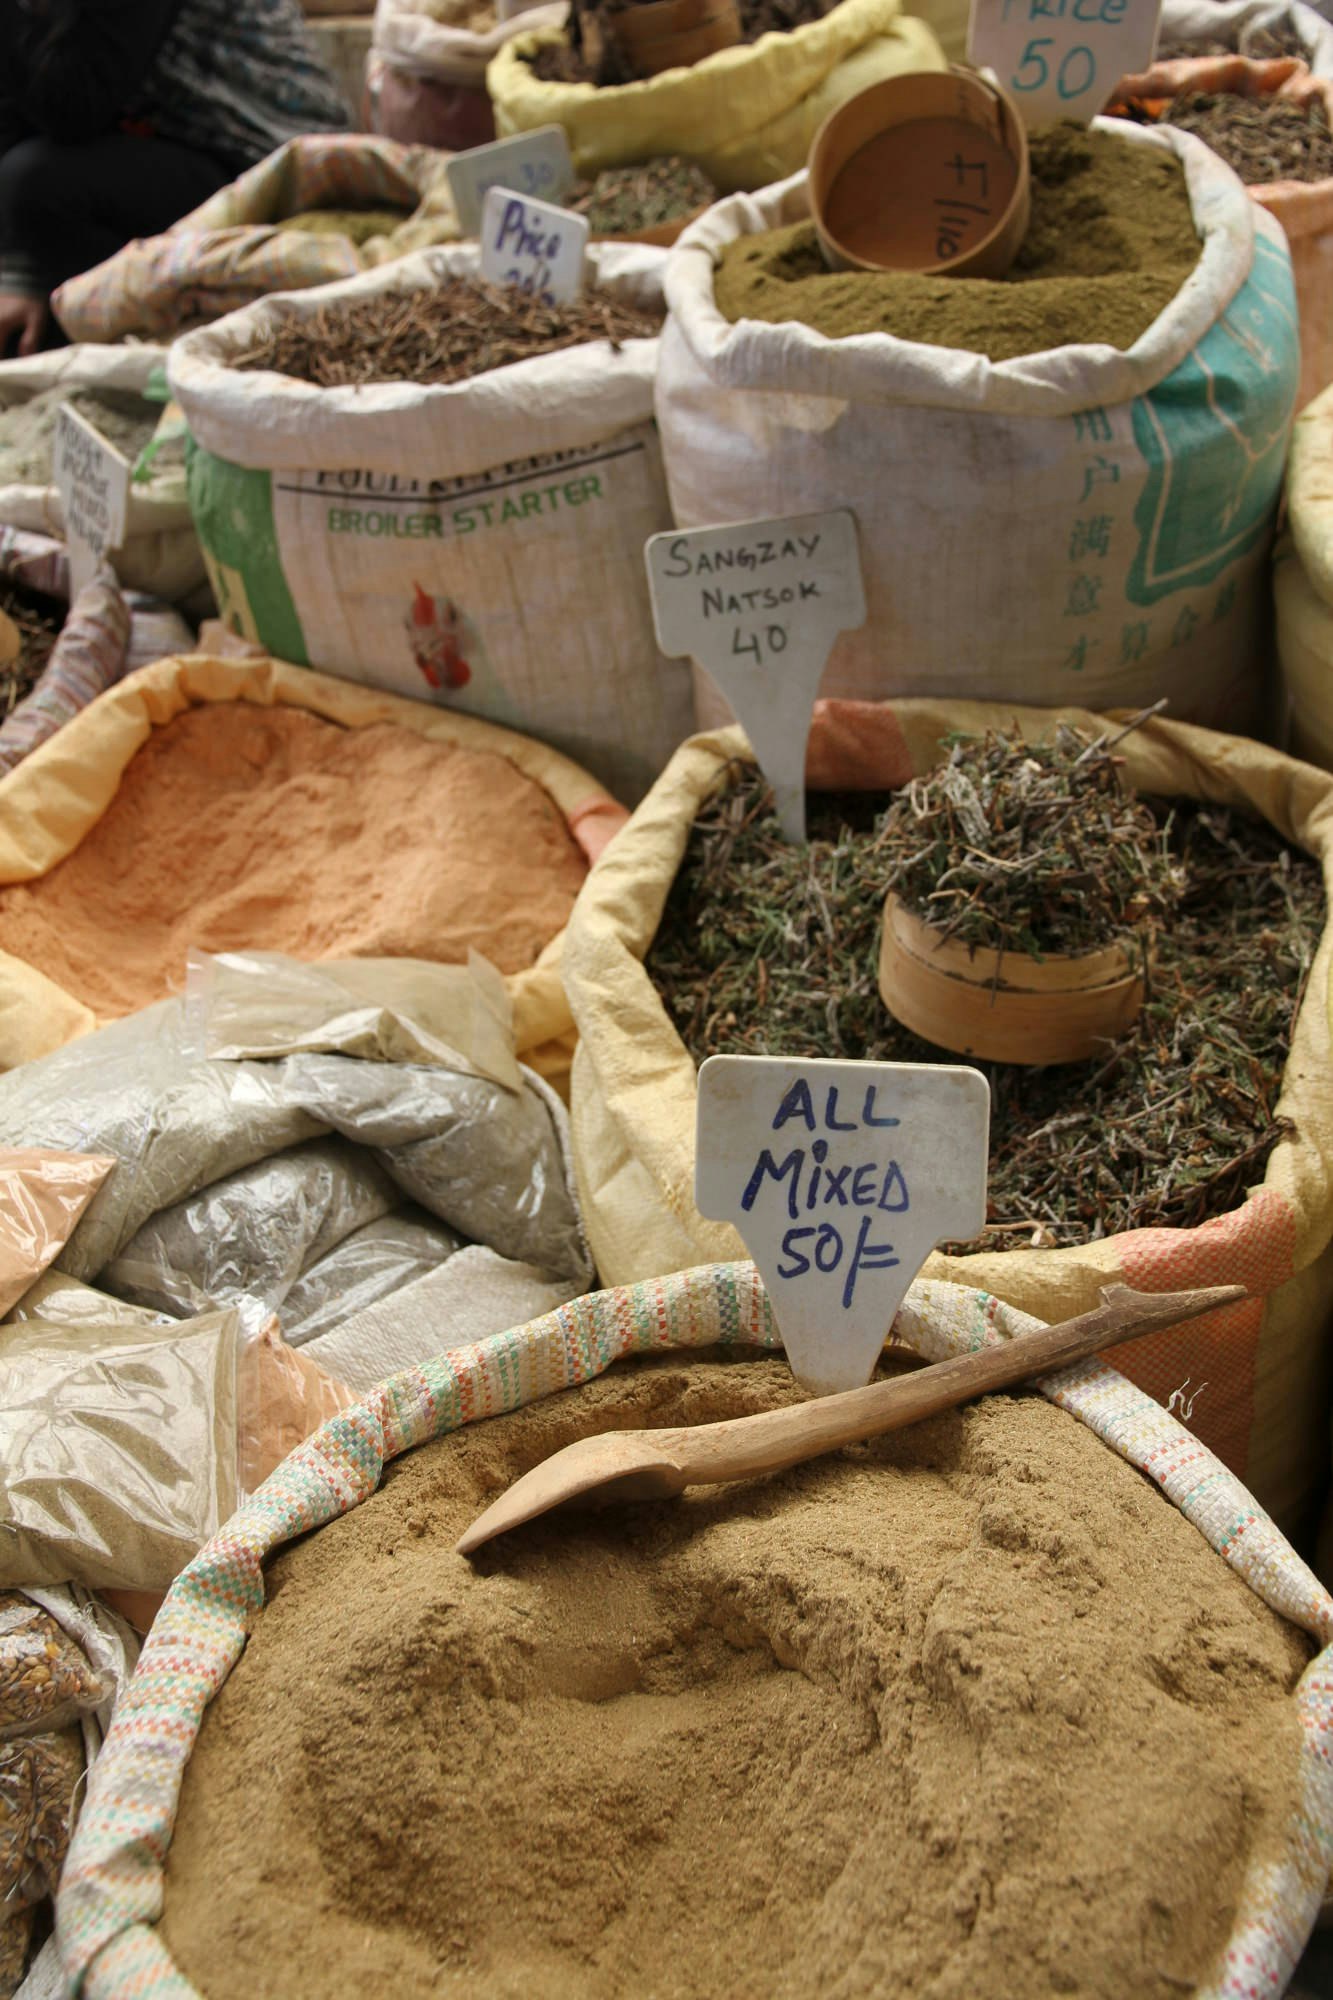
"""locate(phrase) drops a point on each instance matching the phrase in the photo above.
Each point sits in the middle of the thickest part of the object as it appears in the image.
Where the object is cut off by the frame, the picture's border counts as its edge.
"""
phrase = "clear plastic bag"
(42, 1196)
(370, 1265)
(117, 1449)
(45, 1680)
(252, 1234)
(137, 1092)
(487, 1161)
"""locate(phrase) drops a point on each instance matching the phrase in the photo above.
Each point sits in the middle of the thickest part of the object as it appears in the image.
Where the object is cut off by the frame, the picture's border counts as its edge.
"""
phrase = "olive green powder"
(1110, 241)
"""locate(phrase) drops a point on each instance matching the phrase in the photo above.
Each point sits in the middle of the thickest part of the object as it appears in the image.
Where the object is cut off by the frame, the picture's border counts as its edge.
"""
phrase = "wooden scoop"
(658, 1464)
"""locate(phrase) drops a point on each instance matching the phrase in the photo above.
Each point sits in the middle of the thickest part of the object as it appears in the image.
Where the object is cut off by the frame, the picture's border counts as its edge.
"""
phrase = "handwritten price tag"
(841, 1177)
(759, 605)
(536, 164)
(529, 244)
(93, 480)
(1062, 58)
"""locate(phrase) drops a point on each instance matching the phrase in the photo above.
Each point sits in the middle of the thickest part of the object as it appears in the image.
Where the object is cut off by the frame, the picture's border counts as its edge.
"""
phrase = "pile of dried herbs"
(1029, 847)
(1258, 44)
(625, 199)
(38, 621)
(770, 949)
(1262, 138)
(461, 328)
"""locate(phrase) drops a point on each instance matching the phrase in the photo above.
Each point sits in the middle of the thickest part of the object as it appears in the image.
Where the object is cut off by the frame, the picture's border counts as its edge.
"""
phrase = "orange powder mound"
(237, 826)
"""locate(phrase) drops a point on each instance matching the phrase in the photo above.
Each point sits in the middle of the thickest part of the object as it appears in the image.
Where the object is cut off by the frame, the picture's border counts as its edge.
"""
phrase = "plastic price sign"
(536, 164)
(841, 1177)
(94, 484)
(532, 245)
(759, 605)
(1062, 58)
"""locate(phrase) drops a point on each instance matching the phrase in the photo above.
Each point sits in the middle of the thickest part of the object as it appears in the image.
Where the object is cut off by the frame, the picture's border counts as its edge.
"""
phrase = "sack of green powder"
(746, 115)
(1302, 201)
(231, 250)
(1077, 524)
(501, 516)
(1265, 1409)
(1303, 585)
(106, 385)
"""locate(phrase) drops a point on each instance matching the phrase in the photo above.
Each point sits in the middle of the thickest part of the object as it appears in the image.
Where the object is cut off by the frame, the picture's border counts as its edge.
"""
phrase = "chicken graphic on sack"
(435, 630)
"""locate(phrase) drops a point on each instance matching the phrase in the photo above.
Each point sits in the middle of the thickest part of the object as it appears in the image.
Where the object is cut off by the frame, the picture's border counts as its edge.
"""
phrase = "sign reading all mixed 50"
(840, 1177)
(1062, 58)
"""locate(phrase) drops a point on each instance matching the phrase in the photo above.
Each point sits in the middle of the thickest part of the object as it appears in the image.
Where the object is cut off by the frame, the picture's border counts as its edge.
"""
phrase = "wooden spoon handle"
(743, 1446)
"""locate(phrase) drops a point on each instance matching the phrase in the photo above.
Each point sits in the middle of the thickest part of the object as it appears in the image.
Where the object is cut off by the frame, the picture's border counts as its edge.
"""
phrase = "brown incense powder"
(240, 826)
(967, 1710)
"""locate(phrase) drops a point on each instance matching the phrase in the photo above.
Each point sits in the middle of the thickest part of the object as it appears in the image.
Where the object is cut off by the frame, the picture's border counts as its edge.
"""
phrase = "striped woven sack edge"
(112, 1892)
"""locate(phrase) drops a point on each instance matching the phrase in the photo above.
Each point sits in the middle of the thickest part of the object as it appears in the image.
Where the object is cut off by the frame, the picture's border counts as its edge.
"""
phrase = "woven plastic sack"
(478, 544)
(1244, 24)
(1076, 525)
(633, 1099)
(228, 251)
(160, 553)
(1304, 208)
(113, 1885)
(1303, 585)
(427, 72)
(107, 634)
(89, 656)
(58, 793)
(746, 115)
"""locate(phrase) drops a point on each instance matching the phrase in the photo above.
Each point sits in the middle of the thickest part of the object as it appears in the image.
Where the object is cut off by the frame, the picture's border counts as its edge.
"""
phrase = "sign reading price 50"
(1062, 58)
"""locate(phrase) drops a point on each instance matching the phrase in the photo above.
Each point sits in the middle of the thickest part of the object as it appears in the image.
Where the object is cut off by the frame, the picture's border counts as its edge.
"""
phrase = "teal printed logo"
(1214, 435)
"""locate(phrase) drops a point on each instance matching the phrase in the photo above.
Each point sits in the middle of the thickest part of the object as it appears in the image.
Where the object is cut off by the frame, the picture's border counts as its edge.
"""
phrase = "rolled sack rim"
(551, 402)
(788, 358)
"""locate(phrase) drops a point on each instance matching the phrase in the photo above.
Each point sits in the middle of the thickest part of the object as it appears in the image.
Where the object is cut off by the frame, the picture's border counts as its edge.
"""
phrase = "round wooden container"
(656, 35)
(924, 172)
(1002, 1005)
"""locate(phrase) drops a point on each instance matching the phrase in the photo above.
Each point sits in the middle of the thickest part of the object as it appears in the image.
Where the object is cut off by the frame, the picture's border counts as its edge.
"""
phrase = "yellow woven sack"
(56, 795)
(1264, 1409)
(747, 114)
(1303, 584)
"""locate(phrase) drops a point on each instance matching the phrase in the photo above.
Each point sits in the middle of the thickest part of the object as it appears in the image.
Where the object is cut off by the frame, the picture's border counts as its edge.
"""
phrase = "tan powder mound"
(238, 826)
(969, 1711)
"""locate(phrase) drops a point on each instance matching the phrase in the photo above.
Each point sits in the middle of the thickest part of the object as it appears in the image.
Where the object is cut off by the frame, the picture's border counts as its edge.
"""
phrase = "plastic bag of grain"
(56, 798)
(234, 248)
(1102, 518)
(746, 115)
(107, 1920)
(64, 1658)
(633, 1096)
(428, 67)
(237, 1175)
(1303, 585)
(160, 554)
(1303, 207)
(509, 508)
